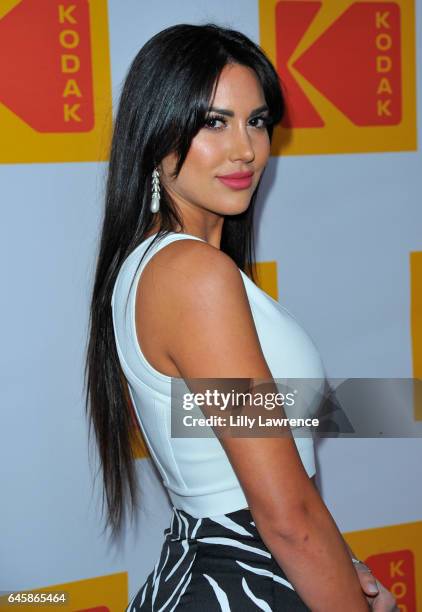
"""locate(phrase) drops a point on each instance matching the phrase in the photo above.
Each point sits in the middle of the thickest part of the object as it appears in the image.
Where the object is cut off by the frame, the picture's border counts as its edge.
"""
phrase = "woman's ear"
(167, 167)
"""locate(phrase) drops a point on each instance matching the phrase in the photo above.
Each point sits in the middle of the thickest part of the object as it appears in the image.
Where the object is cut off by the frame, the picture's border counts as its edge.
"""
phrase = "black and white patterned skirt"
(215, 564)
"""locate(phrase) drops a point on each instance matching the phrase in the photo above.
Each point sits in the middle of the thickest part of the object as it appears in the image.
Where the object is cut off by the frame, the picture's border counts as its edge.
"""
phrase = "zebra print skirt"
(215, 564)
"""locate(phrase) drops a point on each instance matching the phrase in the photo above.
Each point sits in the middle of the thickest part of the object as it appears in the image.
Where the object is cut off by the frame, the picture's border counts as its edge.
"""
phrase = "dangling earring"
(155, 200)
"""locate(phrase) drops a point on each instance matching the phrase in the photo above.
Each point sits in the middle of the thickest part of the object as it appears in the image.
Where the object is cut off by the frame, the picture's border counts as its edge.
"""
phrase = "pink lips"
(237, 180)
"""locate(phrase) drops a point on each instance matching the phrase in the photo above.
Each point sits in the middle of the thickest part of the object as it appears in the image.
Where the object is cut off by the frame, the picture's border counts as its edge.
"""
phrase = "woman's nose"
(241, 146)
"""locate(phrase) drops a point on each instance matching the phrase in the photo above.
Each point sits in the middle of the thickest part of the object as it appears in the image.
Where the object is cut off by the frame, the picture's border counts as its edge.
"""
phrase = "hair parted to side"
(163, 105)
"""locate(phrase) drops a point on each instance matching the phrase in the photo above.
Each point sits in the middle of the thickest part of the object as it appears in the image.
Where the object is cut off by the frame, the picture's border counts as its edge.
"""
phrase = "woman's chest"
(288, 348)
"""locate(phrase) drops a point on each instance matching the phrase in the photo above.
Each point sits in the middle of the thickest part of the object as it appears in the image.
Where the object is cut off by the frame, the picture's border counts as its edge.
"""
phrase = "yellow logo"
(101, 594)
(55, 93)
(348, 71)
(416, 328)
(394, 555)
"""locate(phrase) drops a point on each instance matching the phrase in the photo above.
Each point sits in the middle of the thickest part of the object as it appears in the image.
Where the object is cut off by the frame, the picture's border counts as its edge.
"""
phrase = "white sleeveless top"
(196, 472)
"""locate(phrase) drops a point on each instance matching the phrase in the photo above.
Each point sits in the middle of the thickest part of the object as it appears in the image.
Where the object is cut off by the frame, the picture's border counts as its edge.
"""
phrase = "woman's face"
(234, 139)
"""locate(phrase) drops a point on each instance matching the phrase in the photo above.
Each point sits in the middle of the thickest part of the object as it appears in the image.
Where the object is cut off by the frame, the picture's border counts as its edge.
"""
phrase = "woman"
(172, 301)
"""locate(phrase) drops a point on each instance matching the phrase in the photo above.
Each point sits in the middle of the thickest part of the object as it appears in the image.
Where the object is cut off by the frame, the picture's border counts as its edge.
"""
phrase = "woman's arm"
(315, 557)
(352, 554)
(376, 593)
(208, 332)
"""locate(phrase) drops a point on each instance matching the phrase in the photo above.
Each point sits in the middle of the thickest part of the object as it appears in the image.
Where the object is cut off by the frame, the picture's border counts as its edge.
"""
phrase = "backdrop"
(339, 243)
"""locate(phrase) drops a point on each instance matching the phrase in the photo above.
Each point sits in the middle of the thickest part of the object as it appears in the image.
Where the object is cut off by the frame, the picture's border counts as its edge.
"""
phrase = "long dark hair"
(163, 104)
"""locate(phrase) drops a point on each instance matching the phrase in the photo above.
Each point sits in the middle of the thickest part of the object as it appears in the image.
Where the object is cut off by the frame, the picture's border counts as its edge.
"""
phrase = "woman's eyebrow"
(230, 113)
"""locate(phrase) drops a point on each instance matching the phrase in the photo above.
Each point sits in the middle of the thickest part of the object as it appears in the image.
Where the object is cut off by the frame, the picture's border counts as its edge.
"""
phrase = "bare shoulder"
(175, 294)
(188, 279)
(196, 262)
(209, 329)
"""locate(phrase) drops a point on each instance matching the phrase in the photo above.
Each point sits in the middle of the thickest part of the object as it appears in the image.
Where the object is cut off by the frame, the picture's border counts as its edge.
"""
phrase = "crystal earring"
(155, 200)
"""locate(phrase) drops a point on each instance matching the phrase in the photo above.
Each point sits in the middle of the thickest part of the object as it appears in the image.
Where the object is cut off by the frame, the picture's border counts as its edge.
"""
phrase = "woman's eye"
(263, 121)
(210, 122)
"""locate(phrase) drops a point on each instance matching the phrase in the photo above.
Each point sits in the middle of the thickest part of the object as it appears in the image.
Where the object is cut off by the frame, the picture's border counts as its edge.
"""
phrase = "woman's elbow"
(289, 523)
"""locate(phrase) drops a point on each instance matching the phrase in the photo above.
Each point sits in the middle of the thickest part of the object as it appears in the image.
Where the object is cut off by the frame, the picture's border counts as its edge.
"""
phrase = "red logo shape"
(355, 63)
(292, 20)
(396, 571)
(46, 65)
